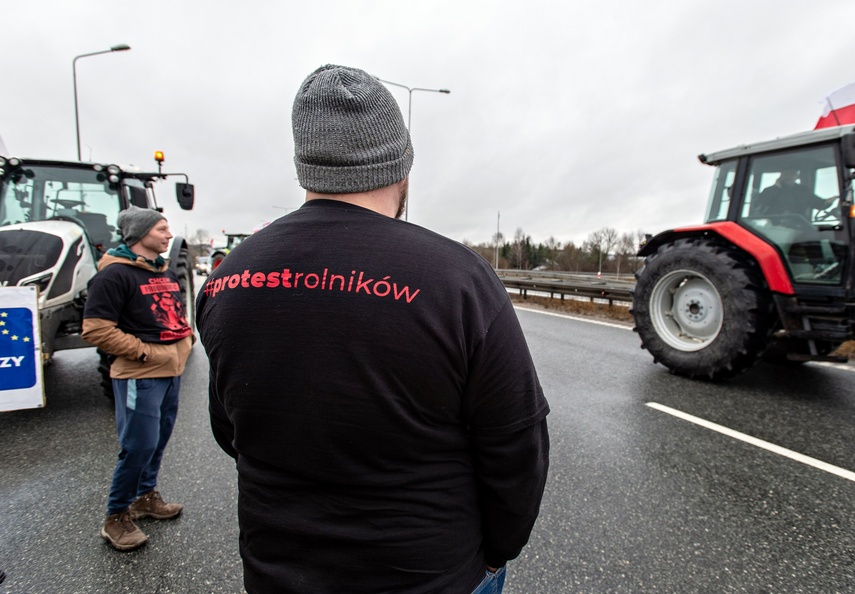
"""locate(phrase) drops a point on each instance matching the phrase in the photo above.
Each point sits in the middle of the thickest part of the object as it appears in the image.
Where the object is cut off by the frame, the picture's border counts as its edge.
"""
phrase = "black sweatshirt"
(372, 381)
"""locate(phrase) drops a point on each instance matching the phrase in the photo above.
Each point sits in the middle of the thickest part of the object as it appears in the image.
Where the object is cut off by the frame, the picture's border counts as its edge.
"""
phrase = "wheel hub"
(686, 310)
(694, 306)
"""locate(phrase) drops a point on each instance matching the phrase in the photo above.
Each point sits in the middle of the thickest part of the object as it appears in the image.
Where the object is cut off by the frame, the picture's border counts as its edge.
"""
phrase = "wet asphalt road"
(637, 500)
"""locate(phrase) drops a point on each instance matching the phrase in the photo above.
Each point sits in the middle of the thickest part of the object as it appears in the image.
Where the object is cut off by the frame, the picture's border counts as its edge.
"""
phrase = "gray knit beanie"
(136, 222)
(349, 135)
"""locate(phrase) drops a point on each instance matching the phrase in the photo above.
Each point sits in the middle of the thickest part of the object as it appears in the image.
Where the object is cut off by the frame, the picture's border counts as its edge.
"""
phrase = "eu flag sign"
(17, 352)
(20, 349)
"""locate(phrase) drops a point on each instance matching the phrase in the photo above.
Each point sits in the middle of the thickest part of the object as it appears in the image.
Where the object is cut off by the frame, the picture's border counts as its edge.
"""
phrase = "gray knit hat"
(136, 222)
(349, 135)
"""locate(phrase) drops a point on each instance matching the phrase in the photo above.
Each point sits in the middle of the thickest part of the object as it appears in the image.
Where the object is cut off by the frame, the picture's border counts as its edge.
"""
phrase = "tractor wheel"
(702, 309)
(184, 272)
(216, 259)
(104, 370)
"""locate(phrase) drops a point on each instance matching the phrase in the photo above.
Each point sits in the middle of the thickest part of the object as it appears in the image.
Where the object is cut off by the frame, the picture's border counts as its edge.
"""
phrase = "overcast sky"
(566, 116)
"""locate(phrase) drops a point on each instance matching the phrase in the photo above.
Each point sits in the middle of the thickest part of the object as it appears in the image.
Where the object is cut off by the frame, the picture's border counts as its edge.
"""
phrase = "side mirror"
(847, 145)
(185, 195)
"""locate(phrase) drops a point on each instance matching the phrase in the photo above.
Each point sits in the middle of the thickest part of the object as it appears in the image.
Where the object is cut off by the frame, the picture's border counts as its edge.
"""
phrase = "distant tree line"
(605, 250)
(199, 244)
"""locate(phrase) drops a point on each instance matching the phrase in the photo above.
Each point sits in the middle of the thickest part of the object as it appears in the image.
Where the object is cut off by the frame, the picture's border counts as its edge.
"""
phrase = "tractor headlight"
(113, 174)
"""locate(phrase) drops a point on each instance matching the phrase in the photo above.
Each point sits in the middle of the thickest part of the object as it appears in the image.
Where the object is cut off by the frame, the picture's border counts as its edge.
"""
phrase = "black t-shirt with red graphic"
(373, 383)
(143, 302)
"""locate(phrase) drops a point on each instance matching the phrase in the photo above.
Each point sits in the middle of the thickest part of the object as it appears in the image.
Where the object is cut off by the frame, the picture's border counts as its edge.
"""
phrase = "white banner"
(21, 379)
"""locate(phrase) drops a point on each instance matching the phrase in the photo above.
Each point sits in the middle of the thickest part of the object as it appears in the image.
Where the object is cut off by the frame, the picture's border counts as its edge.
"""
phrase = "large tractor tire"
(184, 272)
(702, 309)
(216, 259)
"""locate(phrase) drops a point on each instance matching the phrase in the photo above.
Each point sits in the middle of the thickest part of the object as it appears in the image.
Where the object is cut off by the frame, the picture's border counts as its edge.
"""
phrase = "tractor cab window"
(722, 192)
(81, 196)
(16, 198)
(792, 200)
(137, 194)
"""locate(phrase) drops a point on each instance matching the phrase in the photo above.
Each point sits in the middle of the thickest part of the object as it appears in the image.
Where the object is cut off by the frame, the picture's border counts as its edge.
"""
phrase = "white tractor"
(57, 218)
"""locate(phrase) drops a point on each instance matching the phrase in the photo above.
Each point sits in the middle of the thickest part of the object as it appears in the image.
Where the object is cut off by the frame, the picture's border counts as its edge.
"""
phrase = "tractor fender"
(763, 253)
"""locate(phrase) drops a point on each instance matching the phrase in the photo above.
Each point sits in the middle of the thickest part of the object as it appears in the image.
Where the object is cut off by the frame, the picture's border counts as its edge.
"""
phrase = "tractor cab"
(796, 199)
(769, 273)
(88, 195)
(219, 253)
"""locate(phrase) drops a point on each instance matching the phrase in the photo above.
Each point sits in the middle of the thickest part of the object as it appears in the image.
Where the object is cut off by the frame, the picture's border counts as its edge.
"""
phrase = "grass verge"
(603, 311)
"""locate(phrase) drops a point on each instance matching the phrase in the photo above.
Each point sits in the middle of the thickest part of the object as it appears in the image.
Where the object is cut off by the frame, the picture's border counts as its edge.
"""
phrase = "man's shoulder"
(434, 239)
(121, 264)
(109, 259)
(109, 267)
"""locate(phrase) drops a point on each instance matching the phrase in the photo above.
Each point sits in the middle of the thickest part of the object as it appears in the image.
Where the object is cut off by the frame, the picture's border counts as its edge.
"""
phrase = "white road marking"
(848, 475)
(576, 318)
(841, 366)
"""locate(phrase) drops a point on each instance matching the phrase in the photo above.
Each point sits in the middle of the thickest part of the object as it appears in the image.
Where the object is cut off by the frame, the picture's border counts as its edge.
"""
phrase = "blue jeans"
(492, 582)
(146, 410)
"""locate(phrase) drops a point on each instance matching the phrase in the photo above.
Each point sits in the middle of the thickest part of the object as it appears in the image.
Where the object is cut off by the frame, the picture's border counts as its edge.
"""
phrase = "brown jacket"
(161, 360)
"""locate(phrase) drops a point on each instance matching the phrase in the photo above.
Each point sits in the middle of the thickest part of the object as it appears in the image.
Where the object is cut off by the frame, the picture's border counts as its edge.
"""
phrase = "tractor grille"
(24, 253)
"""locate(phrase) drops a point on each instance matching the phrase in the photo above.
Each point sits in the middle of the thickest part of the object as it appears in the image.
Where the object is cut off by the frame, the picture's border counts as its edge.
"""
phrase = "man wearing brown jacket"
(134, 312)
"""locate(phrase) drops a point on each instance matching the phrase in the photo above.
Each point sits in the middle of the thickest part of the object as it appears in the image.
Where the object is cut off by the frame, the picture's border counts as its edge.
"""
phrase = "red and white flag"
(838, 108)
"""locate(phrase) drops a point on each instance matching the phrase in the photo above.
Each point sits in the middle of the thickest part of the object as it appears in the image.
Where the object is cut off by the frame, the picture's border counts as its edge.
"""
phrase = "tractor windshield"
(792, 199)
(234, 240)
(38, 193)
(722, 192)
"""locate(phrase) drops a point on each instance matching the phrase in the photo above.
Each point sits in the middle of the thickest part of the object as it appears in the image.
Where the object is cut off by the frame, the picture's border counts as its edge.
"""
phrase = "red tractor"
(769, 273)
(220, 252)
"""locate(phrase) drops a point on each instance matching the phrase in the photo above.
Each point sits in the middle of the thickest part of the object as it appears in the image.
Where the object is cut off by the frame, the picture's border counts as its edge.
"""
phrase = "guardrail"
(565, 284)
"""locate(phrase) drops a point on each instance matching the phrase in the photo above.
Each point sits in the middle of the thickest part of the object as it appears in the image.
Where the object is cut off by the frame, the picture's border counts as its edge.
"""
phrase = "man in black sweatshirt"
(370, 377)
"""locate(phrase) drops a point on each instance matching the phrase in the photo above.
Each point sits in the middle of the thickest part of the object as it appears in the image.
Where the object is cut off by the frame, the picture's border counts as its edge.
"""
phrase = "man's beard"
(402, 200)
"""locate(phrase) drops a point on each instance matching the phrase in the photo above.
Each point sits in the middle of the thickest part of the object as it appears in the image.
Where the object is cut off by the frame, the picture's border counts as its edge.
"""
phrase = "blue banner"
(17, 349)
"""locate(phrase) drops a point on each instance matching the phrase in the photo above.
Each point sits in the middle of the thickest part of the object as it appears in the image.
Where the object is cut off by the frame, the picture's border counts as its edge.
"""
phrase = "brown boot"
(121, 532)
(152, 505)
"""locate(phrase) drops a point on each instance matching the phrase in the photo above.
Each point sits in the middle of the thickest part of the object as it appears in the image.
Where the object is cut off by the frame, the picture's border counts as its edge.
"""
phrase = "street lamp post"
(410, 112)
(498, 236)
(116, 48)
